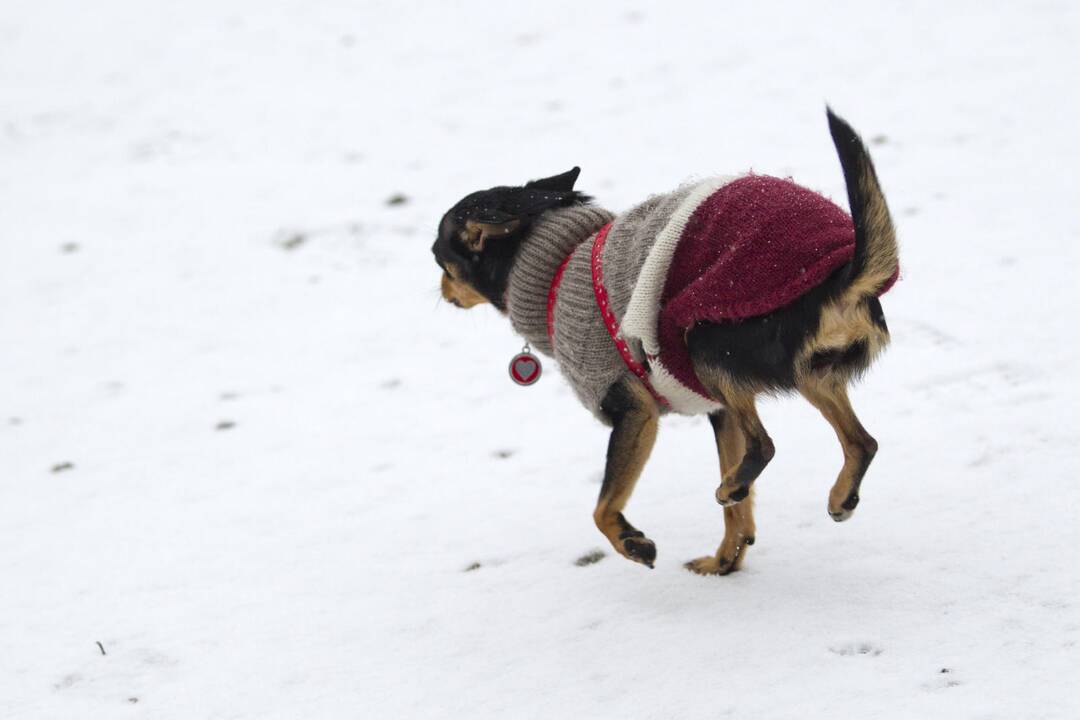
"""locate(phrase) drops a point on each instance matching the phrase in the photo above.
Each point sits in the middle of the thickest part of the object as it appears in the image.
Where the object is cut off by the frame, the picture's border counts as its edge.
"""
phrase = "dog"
(697, 301)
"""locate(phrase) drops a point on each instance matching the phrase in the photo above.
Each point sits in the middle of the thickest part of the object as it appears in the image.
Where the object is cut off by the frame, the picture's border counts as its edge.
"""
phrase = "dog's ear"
(489, 224)
(556, 183)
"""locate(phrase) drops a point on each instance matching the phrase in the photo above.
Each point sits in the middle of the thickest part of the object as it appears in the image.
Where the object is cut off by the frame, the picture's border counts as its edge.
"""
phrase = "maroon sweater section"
(752, 247)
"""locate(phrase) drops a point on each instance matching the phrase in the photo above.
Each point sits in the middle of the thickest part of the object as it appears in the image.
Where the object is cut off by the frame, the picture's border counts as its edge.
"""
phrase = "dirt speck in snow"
(292, 241)
(590, 558)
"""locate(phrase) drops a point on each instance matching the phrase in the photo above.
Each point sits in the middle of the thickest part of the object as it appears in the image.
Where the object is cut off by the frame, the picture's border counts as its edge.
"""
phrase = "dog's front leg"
(634, 418)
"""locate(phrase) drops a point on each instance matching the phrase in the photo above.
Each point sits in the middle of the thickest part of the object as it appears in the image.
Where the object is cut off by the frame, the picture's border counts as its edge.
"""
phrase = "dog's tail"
(876, 253)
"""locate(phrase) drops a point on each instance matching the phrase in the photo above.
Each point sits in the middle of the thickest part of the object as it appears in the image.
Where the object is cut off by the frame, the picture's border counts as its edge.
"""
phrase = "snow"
(196, 232)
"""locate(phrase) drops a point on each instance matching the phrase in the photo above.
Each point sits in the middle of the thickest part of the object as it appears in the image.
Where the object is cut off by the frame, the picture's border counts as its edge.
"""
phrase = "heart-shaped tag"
(525, 368)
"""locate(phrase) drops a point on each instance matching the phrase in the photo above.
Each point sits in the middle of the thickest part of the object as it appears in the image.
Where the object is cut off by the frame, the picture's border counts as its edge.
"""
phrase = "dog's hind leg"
(634, 417)
(829, 396)
(739, 531)
(758, 449)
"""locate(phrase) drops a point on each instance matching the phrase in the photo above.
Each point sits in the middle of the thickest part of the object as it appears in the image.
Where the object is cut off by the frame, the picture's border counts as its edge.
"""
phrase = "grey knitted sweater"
(586, 354)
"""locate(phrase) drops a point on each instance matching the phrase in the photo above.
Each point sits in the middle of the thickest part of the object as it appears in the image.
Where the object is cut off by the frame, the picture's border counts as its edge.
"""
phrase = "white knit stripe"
(640, 319)
(683, 400)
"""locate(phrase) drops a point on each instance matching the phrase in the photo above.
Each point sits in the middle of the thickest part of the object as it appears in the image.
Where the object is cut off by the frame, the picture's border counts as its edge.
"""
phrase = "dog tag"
(525, 367)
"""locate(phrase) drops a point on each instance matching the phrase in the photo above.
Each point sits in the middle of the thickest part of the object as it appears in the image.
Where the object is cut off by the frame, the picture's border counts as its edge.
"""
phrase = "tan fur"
(458, 292)
(739, 528)
(843, 323)
(476, 234)
(882, 253)
(631, 444)
(741, 411)
(829, 396)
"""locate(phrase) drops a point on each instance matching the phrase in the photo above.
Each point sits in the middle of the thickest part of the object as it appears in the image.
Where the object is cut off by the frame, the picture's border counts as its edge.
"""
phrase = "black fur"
(489, 271)
(877, 314)
(854, 355)
(617, 402)
(764, 348)
(854, 159)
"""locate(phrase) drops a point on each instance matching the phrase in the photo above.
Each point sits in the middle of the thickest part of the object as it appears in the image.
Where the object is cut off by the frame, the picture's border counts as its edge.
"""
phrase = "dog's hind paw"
(728, 494)
(727, 559)
(711, 565)
(846, 510)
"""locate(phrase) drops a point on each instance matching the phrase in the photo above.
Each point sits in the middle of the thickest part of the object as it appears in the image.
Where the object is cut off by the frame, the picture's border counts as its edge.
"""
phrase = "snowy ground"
(245, 448)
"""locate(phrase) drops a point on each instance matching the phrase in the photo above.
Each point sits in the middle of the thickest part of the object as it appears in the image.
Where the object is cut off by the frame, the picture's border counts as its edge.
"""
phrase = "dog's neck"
(551, 239)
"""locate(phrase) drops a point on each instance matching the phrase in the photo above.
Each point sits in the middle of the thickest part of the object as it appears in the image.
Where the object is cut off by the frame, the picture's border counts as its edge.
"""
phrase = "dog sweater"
(721, 250)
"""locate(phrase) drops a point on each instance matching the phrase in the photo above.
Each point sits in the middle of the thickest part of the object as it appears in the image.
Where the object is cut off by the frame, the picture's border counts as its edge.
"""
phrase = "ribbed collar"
(552, 238)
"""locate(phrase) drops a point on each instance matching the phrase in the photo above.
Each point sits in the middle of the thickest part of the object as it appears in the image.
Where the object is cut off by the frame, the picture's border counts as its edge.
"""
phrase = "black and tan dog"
(815, 345)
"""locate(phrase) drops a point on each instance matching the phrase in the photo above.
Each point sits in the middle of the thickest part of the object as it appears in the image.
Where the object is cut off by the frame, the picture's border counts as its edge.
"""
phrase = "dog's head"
(479, 237)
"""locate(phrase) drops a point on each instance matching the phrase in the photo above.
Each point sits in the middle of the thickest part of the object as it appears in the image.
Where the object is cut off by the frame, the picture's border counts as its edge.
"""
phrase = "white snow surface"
(195, 231)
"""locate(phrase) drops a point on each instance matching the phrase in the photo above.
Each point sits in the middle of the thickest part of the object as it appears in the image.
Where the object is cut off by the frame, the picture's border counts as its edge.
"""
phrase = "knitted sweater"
(724, 249)
(586, 354)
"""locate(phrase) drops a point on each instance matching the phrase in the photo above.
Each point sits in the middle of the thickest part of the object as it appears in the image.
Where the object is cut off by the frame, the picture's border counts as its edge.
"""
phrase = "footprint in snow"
(67, 681)
(855, 649)
(943, 679)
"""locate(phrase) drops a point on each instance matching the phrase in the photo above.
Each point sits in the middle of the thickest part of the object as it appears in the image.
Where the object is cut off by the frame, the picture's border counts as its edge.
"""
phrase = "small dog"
(697, 302)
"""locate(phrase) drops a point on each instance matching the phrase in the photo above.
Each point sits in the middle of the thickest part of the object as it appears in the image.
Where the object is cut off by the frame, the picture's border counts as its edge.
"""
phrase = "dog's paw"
(728, 494)
(638, 548)
(711, 565)
(727, 559)
(846, 510)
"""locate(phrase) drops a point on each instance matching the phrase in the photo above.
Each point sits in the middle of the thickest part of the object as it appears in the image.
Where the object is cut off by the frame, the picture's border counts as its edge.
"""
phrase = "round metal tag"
(525, 368)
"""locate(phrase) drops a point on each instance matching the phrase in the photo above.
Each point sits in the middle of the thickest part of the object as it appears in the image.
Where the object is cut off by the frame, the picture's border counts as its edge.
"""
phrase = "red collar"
(606, 312)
